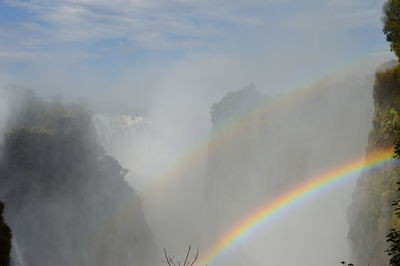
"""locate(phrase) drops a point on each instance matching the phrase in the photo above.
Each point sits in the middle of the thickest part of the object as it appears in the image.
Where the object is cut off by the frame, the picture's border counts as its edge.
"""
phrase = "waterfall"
(16, 254)
(110, 128)
(131, 140)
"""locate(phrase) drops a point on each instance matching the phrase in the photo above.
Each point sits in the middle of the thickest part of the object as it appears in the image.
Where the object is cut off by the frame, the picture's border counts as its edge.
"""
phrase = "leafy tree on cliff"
(391, 20)
(393, 239)
(5, 240)
(69, 203)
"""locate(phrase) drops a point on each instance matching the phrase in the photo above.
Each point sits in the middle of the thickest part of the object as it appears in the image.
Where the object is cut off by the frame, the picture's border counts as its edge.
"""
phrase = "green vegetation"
(391, 20)
(371, 216)
(393, 238)
(67, 203)
(374, 225)
(388, 94)
(5, 240)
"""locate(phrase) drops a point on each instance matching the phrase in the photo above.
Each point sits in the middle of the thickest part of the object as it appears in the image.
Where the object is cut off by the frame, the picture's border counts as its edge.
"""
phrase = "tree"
(187, 262)
(391, 27)
(393, 238)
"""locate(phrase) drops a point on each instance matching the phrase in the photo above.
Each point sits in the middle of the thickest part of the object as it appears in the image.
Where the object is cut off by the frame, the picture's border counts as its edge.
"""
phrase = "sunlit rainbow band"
(271, 209)
(225, 132)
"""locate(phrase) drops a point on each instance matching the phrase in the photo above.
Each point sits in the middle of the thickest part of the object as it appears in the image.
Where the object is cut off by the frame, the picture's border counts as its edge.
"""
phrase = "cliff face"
(5, 240)
(371, 214)
(262, 147)
(67, 203)
(270, 145)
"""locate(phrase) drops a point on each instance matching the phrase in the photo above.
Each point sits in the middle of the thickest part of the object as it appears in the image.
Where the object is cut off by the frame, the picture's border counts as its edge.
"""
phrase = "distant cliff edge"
(68, 203)
(370, 214)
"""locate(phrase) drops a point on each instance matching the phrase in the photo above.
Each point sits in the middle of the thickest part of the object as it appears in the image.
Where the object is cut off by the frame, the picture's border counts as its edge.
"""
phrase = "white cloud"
(337, 16)
(17, 55)
(90, 20)
(162, 24)
(86, 46)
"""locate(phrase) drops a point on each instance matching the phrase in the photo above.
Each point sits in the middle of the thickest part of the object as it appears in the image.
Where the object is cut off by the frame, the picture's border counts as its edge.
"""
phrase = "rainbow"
(225, 132)
(270, 210)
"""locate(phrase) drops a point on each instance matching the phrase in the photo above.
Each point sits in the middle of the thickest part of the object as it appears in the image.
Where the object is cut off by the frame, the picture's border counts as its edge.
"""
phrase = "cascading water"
(130, 139)
(16, 254)
(111, 128)
(66, 203)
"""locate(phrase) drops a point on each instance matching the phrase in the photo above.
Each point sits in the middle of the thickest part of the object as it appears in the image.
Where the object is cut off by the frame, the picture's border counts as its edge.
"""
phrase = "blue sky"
(79, 47)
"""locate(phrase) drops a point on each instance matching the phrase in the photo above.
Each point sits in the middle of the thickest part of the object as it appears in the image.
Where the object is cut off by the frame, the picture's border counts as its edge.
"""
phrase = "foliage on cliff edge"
(370, 215)
(67, 203)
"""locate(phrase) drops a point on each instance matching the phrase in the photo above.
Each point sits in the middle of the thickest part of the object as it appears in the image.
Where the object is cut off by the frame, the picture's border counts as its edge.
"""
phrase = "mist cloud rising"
(293, 142)
(172, 60)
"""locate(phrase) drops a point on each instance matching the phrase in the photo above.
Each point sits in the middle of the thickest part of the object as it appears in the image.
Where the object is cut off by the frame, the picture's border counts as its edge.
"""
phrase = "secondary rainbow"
(225, 132)
(267, 212)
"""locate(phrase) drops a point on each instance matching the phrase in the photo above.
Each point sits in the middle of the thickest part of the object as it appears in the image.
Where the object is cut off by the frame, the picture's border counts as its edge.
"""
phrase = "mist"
(4, 115)
(323, 128)
(190, 122)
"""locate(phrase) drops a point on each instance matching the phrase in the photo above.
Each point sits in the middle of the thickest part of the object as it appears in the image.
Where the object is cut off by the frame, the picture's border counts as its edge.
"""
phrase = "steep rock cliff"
(263, 146)
(5, 240)
(370, 213)
(67, 203)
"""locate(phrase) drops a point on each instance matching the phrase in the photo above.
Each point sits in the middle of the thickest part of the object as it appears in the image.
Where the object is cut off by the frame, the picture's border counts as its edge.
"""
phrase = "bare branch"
(187, 255)
(166, 256)
(195, 257)
(187, 262)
